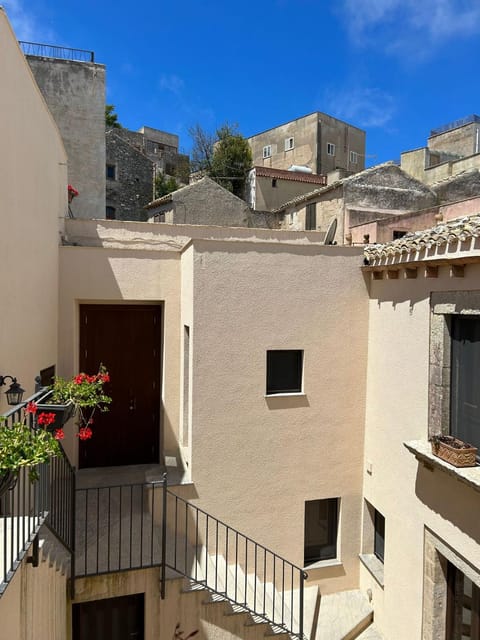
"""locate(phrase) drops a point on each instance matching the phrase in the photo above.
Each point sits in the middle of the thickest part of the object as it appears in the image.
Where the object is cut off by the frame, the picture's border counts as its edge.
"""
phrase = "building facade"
(75, 94)
(317, 141)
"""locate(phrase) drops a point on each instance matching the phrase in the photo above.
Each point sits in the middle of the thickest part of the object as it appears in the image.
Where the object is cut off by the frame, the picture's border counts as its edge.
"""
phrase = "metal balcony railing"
(146, 525)
(26, 507)
(50, 51)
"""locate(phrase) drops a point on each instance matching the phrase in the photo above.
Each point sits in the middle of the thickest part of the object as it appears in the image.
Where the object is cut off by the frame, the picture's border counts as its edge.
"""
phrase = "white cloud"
(172, 83)
(410, 26)
(25, 25)
(362, 107)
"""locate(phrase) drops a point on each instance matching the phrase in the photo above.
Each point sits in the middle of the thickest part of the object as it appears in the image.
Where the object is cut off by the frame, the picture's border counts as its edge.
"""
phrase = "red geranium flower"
(84, 433)
(46, 418)
(59, 434)
(31, 408)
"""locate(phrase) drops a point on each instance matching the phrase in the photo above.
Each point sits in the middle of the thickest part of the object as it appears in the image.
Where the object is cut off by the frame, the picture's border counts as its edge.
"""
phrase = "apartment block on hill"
(317, 141)
(451, 149)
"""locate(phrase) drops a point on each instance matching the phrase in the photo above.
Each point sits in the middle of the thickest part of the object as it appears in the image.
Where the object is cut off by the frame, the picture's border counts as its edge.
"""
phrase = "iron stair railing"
(135, 526)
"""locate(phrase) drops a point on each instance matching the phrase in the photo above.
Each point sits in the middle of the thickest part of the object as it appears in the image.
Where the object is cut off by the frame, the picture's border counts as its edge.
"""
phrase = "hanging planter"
(58, 413)
(454, 451)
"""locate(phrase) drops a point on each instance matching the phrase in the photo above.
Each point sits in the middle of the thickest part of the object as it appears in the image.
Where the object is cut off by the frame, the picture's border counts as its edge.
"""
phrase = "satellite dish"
(331, 231)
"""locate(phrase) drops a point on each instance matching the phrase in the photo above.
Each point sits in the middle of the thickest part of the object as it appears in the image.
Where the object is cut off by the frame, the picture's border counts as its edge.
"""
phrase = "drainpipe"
(476, 140)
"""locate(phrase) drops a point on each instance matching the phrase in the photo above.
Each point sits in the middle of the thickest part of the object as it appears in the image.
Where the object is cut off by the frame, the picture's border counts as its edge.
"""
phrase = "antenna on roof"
(331, 231)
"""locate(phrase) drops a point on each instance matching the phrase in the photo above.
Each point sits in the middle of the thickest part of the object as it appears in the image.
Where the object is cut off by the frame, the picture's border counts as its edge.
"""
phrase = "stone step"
(370, 633)
(343, 616)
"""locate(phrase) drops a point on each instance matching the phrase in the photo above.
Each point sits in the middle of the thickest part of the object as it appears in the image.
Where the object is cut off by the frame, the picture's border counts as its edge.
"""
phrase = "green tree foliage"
(111, 118)
(225, 156)
(231, 160)
(164, 185)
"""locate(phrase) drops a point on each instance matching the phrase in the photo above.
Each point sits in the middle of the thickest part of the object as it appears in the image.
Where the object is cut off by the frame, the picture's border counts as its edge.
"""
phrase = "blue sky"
(396, 68)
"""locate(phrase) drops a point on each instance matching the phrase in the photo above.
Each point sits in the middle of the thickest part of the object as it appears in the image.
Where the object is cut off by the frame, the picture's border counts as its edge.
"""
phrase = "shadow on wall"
(449, 498)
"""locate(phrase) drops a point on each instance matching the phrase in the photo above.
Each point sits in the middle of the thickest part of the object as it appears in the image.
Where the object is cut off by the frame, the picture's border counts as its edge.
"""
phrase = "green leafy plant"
(23, 446)
(86, 394)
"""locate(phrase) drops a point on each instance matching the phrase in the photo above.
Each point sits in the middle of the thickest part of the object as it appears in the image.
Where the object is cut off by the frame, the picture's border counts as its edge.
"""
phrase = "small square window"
(330, 149)
(321, 529)
(267, 151)
(353, 157)
(111, 172)
(284, 371)
(289, 144)
(398, 234)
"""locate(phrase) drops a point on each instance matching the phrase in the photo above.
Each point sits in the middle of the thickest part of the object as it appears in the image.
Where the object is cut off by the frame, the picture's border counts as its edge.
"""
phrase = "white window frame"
(289, 143)
(330, 149)
(267, 151)
(353, 157)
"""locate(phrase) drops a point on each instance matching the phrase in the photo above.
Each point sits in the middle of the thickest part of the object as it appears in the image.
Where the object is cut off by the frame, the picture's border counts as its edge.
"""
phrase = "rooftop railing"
(50, 51)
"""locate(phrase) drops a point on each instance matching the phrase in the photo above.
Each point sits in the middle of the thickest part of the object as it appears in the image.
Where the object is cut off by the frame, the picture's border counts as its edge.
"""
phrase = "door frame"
(76, 357)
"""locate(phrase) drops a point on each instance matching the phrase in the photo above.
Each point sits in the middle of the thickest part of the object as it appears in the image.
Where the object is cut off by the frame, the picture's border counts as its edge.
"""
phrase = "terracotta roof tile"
(297, 176)
(451, 232)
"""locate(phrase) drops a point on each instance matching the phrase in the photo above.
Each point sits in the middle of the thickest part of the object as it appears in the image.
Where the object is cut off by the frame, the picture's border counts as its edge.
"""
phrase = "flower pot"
(8, 480)
(62, 412)
(454, 451)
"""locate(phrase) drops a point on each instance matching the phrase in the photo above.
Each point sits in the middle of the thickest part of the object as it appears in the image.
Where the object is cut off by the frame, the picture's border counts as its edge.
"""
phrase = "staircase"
(238, 582)
(259, 602)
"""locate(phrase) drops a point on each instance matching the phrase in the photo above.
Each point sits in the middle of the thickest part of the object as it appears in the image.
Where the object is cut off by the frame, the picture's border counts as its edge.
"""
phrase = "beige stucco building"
(287, 388)
(317, 141)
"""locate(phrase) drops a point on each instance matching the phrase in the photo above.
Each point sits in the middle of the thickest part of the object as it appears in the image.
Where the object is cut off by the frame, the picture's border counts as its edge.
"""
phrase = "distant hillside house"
(267, 188)
(451, 149)
(377, 193)
(317, 141)
(207, 203)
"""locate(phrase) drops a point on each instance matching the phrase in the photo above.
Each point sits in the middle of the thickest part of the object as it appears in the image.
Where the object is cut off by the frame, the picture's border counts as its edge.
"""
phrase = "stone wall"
(75, 95)
(207, 203)
(462, 140)
(132, 187)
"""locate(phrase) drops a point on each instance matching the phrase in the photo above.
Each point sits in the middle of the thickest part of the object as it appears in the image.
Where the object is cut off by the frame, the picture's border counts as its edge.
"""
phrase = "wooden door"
(113, 618)
(127, 340)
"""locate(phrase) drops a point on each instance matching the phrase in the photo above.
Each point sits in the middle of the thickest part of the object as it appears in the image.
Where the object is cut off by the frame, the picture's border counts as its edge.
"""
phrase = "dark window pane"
(110, 213)
(379, 539)
(284, 371)
(321, 522)
(311, 217)
(111, 171)
(465, 379)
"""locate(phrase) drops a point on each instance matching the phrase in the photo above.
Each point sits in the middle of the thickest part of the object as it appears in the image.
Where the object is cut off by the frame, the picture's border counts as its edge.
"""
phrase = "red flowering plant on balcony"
(83, 394)
(72, 193)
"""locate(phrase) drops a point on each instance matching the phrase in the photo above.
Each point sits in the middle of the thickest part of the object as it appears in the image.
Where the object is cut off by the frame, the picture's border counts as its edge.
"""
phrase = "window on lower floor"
(463, 606)
(284, 371)
(111, 172)
(311, 217)
(353, 157)
(330, 149)
(379, 536)
(465, 379)
(321, 528)
(110, 213)
(397, 234)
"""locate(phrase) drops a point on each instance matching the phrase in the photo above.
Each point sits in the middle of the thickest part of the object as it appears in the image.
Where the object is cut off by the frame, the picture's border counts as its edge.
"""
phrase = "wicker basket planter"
(454, 451)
